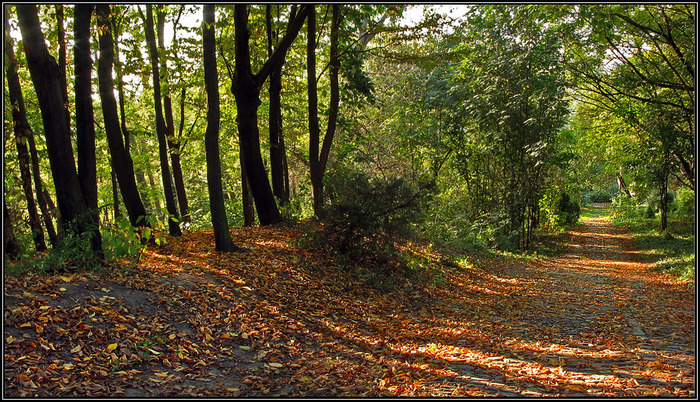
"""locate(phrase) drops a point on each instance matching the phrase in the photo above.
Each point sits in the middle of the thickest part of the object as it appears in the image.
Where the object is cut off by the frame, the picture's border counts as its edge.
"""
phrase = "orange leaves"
(288, 321)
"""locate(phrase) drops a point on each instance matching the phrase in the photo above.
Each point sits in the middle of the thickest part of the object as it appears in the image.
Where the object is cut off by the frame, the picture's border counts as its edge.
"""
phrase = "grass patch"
(673, 250)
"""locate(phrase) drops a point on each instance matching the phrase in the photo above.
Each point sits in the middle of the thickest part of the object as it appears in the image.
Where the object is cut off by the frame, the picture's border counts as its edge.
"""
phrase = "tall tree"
(123, 166)
(278, 155)
(170, 202)
(46, 78)
(318, 158)
(22, 131)
(246, 89)
(84, 117)
(173, 142)
(10, 243)
(222, 237)
(62, 52)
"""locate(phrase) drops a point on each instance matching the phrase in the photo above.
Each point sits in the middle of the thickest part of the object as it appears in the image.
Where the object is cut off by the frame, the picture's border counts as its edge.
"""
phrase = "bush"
(362, 208)
(685, 202)
(568, 211)
(624, 208)
(598, 196)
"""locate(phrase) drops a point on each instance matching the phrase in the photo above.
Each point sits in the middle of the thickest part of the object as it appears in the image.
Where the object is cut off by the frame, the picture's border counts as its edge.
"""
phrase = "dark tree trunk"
(246, 89)
(173, 143)
(61, 35)
(10, 244)
(22, 131)
(115, 191)
(123, 166)
(318, 159)
(222, 237)
(170, 203)
(246, 194)
(120, 86)
(177, 167)
(46, 78)
(278, 154)
(84, 119)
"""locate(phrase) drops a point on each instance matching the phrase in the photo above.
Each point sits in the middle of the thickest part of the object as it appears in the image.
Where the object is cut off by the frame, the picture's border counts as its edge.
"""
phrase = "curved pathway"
(622, 329)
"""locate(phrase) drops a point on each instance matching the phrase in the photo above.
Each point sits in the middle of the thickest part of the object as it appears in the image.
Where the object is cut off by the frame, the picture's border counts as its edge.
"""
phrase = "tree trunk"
(61, 35)
(120, 87)
(173, 143)
(278, 155)
(246, 90)
(84, 119)
(222, 237)
(170, 203)
(124, 168)
(246, 194)
(22, 131)
(319, 160)
(10, 243)
(46, 78)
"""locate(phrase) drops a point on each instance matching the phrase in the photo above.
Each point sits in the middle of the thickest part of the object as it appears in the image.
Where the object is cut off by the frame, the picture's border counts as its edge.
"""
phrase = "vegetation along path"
(287, 320)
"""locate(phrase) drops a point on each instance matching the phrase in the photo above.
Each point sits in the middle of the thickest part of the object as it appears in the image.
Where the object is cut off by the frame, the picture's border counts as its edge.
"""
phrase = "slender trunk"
(314, 129)
(177, 167)
(278, 155)
(115, 192)
(120, 87)
(246, 194)
(41, 194)
(61, 35)
(318, 159)
(84, 120)
(222, 237)
(124, 168)
(173, 144)
(10, 244)
(46, 78)
(22, 131)
(170, 203)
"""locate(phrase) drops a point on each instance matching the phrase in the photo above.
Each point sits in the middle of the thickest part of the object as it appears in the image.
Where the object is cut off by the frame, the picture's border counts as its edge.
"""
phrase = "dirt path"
(625, 329)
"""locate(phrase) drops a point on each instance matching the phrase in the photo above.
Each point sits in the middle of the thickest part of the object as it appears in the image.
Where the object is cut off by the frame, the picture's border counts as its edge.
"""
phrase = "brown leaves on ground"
(282, 320)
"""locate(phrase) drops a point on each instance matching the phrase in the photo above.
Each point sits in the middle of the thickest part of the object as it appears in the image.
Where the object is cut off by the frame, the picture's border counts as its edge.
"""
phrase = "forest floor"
(281, 320)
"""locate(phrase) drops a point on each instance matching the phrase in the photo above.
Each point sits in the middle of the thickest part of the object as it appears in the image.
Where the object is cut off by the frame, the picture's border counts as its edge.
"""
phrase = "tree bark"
(318, 159)
(246, 89)
(46, 78)
(222, 237)
(22, 131)
(124, 167)
(170, 203)
(10, 243)
(120, 85)
(84, 119)
(173, 143)
(278, 154)
(61, 35)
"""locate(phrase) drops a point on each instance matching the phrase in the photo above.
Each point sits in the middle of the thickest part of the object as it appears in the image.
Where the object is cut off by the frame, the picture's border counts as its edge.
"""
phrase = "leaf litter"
(284, 320)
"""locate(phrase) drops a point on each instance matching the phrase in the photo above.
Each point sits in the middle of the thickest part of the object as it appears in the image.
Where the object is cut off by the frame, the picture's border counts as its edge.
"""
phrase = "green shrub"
(624, 208)
(568, 211)
(598, 196)
(685, 202)
(363, 209)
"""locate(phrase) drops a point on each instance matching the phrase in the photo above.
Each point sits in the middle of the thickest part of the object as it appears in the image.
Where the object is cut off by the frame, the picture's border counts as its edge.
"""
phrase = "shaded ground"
(283, 321)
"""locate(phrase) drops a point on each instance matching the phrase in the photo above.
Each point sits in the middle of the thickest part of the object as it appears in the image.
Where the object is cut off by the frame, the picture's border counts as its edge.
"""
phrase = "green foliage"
(568, 211)
(598, 196)
(72, 253)
(685, 203)
(364, 208)
(625, 209)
